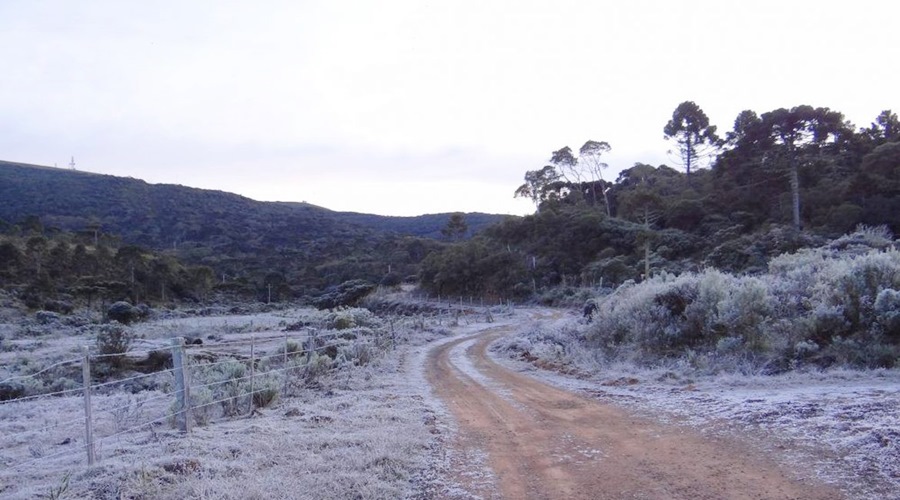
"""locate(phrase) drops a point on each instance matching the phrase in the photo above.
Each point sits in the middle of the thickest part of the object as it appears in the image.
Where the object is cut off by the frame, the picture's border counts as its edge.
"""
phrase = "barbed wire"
(140, 402)
(275, 355)
(38, 396)
(79, 420)
(116, 355)
(136, 377)
(263, 339)
(245, 377)
(242, 395)
(135, 427)
(35, 374)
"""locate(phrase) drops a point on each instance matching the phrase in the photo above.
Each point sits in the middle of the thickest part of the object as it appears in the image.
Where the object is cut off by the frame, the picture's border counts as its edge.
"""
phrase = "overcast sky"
(411, 107)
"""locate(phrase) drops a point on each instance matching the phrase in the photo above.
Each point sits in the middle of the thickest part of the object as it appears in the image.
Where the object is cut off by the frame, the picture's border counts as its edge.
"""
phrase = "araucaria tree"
(797, 135)
(694, 137)
(456, 227)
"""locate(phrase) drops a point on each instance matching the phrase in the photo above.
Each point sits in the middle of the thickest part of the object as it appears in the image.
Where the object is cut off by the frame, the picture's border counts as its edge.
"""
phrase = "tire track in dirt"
(545, 442)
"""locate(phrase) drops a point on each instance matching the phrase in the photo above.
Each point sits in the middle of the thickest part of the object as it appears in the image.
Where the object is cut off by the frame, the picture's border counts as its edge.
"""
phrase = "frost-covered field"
(360, 431)
(845, 423)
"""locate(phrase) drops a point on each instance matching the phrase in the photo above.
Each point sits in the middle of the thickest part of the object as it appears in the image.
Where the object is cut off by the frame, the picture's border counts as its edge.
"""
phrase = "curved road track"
(543, 442)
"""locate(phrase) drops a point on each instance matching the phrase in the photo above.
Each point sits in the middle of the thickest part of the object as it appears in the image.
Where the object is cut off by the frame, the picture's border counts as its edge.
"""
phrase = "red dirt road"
(547, 443)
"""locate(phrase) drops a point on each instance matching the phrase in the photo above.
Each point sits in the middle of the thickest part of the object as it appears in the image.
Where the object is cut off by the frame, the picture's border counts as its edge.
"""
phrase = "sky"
(411, 107)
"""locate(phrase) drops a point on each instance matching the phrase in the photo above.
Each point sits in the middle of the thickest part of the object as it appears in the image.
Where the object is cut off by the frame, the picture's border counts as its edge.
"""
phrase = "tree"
(537, 185)
(649, 203)
(694, 137)
(201, 280)
(10, 260)
(797, 134)
(746, 127)
(36, 249)
(885, 129)
(882, 166)
(582, 174)
(456, 227)
(566, 164)
(590, 155)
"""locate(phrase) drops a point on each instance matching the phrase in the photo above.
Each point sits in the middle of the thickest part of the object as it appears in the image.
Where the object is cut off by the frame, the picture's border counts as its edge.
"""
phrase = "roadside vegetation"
(836, 305)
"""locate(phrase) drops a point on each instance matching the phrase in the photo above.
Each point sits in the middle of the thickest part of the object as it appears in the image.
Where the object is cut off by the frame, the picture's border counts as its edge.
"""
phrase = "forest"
(73, 236)
(776, 182)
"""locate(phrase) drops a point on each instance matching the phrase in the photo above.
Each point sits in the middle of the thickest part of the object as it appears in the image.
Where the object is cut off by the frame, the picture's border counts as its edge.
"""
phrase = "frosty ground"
(377, 431)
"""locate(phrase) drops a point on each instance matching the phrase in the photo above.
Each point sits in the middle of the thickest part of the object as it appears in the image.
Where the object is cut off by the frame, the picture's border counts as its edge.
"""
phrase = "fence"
(174, 400)
(232, 377)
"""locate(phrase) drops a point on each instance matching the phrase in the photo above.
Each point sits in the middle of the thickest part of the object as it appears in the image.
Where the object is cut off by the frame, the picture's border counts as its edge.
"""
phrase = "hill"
(249, 241)
(424, 226)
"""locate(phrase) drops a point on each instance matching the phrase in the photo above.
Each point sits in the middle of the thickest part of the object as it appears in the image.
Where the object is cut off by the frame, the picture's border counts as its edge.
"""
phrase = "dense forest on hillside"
(777, 182)
(296, 249)
(59, 271)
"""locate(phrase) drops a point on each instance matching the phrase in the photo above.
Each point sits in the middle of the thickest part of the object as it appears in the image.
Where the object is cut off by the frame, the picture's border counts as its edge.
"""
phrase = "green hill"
(248, 241)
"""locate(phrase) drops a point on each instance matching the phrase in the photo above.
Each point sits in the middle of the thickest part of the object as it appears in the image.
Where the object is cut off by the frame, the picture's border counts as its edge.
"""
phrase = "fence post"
(310, 345)
(252, 369)
(393, 337)
(88, 419)
(182, 386)
(286, 372)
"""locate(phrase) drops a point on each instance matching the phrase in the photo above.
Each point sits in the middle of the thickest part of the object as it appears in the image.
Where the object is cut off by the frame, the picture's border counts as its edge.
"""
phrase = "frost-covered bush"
(265, 393)
(826, 306)
(863, 239)
(887, 312)
(229, 385)
(343, 319)
(667, 315)
(357, 353)
(559, 348)
(113, 341)
(46, 317)
(829, 293)
(349, 293)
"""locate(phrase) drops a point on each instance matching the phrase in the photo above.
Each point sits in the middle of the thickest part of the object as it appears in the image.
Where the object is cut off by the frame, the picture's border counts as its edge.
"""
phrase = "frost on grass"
(362, 430)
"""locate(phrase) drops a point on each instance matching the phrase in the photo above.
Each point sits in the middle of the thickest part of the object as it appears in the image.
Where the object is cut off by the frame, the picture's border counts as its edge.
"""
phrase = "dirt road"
(544, 442)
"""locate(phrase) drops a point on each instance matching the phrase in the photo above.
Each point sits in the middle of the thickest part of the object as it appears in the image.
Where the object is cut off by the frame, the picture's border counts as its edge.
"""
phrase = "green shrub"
(123, 312)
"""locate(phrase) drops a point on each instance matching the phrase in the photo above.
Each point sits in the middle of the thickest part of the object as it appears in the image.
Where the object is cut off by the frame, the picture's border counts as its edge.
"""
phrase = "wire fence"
(197, 385)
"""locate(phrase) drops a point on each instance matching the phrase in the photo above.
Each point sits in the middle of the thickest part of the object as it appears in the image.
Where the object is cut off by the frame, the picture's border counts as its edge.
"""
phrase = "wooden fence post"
(252, 369)
(285, 366)
(88, 419)
(393, 336)
(182, 386)
(310, 345)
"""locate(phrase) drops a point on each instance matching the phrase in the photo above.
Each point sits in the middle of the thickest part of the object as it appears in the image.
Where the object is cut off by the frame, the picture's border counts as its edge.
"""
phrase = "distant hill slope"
(234, 234)
(160, 215)
(424, 226)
